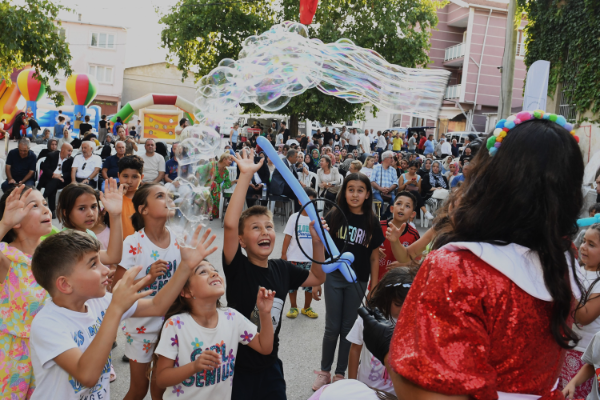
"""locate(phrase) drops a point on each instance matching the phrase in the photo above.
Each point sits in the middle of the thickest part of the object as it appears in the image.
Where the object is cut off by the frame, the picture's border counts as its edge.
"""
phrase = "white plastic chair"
(37, 169)
(3, 171)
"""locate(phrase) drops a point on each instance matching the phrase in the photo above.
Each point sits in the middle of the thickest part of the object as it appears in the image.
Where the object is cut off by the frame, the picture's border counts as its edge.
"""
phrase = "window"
(102, 74)
(417, 122)
(102, 40)
(62, 32)
(521, 43)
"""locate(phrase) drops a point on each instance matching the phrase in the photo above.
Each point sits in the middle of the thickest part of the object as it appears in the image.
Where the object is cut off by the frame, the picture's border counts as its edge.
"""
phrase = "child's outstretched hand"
(112, 198)
(193, 256)
(245, 162)
(313, 231)
(569, 391)
(264, 300)
(126, 292)
(393, 234)
(208, 360)
(16, 209)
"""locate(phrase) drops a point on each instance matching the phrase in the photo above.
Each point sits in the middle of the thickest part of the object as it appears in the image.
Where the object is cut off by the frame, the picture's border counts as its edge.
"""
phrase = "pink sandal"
(113, 374)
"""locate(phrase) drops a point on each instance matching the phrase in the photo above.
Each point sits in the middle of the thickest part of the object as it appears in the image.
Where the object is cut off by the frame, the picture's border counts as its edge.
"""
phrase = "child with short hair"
(291, 252)
(259, 376)
(355, 167)
(387, 296)
(197, 349)
(71, 338)
(403, 211)
(25, 220)
(131, 172)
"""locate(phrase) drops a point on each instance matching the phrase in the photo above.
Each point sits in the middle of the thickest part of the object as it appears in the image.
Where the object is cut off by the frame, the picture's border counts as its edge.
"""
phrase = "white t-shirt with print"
(93, 162)
(587, 332)
(370, 370)
(293, 251)
(139, 250)
(183, 340)
(55, 330)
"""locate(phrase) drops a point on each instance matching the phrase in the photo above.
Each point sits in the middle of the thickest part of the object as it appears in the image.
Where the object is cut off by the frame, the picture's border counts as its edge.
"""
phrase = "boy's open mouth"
(265, 243)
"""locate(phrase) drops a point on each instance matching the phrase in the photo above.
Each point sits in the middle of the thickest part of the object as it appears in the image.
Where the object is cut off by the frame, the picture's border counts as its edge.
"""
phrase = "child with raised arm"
(71, 338)
(259, 376)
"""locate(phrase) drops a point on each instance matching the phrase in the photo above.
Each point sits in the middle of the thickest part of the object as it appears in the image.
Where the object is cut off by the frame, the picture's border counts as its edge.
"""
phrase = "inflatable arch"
(154, 99)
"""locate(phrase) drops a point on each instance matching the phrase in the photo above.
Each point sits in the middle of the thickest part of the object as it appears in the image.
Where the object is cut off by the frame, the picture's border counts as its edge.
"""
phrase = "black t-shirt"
(243, 280)
(360, 242)
(102, 123)
(286, 135)
(83, 128)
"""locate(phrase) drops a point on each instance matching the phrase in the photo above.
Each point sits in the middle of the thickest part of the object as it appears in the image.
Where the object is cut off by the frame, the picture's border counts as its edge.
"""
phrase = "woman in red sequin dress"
(488, 315)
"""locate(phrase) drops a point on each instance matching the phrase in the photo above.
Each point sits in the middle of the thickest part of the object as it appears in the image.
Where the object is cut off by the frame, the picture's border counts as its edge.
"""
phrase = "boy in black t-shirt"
(258, 376)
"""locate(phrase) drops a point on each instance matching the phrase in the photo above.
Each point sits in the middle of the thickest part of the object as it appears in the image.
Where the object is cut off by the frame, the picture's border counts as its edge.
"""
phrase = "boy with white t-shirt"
(73, 334)
(292, 253)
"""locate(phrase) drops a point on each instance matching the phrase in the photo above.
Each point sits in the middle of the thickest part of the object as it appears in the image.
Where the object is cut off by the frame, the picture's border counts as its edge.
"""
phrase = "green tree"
(30, 38)
(200, 36)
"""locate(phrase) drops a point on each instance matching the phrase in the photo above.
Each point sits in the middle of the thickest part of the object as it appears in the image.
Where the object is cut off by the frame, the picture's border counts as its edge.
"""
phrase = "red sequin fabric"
(476, 332)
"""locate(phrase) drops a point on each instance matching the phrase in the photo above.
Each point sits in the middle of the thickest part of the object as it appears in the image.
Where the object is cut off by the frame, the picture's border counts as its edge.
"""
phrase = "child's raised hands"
(208, 360)
(245, 162)
(16, 209)
(126, 292)
(112, 198)
(393, 233)
(264, 300)
(193, 256)
(313, 230)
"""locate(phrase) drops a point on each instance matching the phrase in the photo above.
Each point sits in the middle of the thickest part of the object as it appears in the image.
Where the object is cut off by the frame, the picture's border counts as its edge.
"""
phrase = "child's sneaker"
(309, 312)
(337, 377)
(323, 378)
(293, 313)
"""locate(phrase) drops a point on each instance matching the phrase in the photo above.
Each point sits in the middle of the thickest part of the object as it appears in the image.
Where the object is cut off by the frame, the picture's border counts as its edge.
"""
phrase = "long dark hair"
(140, 198)
(529, 193)
(392, 288)
(335, 219)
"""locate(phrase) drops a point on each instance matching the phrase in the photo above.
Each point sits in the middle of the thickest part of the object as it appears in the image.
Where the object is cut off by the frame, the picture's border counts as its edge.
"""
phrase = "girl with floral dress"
(25, 219)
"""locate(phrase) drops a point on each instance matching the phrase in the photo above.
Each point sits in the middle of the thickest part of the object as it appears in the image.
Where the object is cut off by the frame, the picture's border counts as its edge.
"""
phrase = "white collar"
(517, 263)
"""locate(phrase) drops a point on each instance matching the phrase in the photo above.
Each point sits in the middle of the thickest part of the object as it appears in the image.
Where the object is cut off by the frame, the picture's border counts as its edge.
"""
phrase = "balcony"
(454, 55)
(452, 92)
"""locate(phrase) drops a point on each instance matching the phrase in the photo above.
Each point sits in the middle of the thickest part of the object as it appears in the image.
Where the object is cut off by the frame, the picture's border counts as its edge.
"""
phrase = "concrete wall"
(78, 35)
(156, 78)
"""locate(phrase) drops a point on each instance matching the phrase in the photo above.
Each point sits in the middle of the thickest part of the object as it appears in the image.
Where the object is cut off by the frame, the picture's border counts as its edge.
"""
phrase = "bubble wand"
(340, 262)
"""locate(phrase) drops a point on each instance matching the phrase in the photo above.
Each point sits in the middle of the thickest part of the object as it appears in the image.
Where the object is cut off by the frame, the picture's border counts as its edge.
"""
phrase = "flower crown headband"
(504, 125)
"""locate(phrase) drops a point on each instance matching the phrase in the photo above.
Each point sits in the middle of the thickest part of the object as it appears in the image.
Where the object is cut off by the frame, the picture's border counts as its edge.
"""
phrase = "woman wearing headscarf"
(453, 172)
(435, 181)
(425, 169)
(315, 157)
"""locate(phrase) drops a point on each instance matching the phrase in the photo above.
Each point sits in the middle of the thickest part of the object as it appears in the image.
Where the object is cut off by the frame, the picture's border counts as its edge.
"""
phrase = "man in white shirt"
(55, 173)
(365, 143)
(154, 164)
(352, 140)
(86, 166)
(446, 147)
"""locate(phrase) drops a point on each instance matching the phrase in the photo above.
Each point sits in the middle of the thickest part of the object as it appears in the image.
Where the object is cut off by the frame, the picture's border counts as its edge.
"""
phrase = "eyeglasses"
(83, 166)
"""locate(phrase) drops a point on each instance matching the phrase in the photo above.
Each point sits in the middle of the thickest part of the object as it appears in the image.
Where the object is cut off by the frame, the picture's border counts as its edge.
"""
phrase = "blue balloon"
(588, 221)
(343, 264)
(500, 124)
(561, 120)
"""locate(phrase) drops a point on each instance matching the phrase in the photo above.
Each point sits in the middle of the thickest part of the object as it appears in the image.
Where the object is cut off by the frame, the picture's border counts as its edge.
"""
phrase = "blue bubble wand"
(337, 261)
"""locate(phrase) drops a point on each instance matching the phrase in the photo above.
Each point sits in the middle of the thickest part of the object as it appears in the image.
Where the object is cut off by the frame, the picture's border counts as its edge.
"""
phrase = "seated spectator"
(154, 163)
(313, 165)
(384, 180)
(107, 147)
(122, 136)
(86, 166)
(55, 174)
(259, 180)
(425, 169)
(466, 156)
(20, 166)
(161, 148)
(345, 165)
(435, 181)
(44, 138)
(51, 146)
(329, 179)
(86, 127)
(355, 167)
(172, 170)
(110, 168)
(367, 169)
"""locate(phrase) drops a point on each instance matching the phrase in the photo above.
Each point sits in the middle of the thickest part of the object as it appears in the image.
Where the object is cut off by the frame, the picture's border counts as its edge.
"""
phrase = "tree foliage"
(567, 33)
(30, 38)
(199, 36)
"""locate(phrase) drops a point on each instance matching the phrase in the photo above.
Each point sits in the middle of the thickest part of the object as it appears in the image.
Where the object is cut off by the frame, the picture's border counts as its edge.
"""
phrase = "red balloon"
(308, 8)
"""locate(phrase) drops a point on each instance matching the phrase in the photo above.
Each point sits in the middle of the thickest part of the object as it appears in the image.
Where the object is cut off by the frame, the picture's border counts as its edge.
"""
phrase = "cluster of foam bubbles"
(284, 62)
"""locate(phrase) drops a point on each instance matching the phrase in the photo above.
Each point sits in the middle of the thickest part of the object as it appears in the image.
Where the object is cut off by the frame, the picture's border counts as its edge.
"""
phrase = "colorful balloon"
(308, 8)
(31, 89)
(82, 89)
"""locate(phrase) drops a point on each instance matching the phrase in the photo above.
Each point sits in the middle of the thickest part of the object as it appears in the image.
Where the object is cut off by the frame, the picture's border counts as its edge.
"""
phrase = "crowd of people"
(486, 304)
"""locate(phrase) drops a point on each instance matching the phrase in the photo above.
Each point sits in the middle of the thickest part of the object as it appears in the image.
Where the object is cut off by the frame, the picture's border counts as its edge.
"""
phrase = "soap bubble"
(284, 62)
(190, 207)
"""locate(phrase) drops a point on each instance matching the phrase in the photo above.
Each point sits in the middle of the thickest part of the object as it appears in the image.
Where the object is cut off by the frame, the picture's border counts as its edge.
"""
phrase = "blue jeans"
(377, 196)
(6, 186)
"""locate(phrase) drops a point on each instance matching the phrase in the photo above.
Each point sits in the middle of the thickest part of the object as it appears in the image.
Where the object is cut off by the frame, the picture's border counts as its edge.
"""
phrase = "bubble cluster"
(284, 62)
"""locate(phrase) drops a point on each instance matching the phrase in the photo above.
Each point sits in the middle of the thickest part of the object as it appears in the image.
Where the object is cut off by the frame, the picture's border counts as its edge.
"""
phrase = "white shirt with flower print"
(183, 339)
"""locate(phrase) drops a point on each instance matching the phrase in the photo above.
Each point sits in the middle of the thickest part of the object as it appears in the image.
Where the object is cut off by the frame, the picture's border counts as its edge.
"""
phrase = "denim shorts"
(306, 266)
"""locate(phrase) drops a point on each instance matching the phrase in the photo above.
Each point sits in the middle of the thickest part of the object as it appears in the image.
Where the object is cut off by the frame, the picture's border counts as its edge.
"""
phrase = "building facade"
(100, 51)
(468, 42)
(156, 78)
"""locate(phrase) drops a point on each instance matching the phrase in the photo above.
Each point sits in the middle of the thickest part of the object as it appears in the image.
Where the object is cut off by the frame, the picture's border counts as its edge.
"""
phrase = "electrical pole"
(508, 62)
